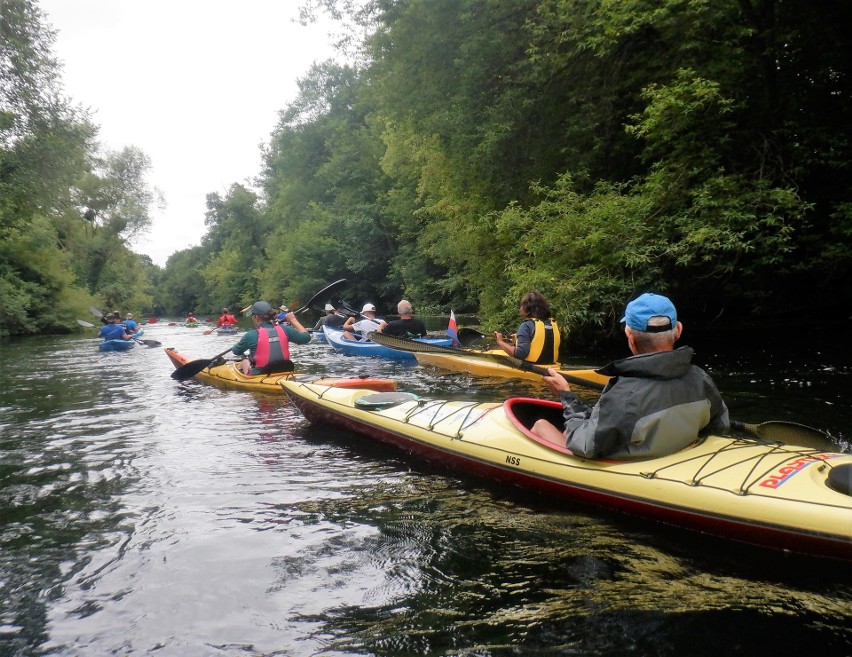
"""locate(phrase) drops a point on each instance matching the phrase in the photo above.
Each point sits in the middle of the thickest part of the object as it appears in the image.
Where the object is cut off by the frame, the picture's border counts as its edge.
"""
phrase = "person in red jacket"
(227, 319)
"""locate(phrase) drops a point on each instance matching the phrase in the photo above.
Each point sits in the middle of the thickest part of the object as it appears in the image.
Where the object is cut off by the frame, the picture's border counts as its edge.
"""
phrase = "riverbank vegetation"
(472, 150)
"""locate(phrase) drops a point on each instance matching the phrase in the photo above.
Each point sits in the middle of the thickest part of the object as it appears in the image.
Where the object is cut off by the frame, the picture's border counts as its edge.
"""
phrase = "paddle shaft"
(531, 367)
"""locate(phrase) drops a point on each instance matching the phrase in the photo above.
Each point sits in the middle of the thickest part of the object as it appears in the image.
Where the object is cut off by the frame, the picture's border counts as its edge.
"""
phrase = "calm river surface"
(143, 516)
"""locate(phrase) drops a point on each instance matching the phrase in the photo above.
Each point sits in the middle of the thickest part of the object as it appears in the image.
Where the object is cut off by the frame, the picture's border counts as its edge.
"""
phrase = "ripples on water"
(144, 516)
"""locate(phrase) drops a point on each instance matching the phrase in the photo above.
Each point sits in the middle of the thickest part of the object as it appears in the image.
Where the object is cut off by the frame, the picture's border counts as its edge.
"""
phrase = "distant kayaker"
(657, 401)
(115, 329)
(363, 326)
(537, 339)
(281, 317)
(129, 324)
(190, 319)
(407, 326)
(226, 319)
(332, 318)
(269, 345)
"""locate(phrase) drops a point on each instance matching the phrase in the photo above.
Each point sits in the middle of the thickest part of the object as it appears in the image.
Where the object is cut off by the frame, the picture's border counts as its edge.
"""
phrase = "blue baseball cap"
(643, 308)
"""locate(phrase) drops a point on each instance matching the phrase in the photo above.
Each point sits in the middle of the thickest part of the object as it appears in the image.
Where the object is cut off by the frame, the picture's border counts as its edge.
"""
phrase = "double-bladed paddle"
(406, 344)
(147, 343)
(324, 293)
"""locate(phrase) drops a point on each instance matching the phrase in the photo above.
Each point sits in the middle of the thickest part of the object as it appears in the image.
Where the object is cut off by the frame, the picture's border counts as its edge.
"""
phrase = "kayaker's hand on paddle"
(556, 381)
(291, 318)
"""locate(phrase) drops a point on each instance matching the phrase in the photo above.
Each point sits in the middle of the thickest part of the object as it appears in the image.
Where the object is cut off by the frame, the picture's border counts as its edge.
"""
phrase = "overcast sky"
(195, 84)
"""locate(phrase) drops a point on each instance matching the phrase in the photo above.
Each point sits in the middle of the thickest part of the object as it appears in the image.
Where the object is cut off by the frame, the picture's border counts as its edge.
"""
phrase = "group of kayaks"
(775, 494)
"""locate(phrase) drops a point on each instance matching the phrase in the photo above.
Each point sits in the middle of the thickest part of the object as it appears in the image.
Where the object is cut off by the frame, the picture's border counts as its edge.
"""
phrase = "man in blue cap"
(656, 403)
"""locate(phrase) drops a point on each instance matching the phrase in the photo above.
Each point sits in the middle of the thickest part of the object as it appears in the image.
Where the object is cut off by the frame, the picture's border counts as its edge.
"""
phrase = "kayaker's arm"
(505, 346)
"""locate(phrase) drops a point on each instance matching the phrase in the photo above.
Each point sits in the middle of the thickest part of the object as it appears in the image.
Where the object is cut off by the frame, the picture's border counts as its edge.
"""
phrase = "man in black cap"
(269, 345)
(656, 403)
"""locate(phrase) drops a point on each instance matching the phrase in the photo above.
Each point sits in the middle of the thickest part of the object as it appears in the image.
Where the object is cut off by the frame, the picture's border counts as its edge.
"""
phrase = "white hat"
(368, 307)
(329, 307)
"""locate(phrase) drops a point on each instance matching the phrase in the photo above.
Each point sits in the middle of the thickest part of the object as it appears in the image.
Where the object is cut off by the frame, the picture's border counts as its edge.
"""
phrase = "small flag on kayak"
(452, 330)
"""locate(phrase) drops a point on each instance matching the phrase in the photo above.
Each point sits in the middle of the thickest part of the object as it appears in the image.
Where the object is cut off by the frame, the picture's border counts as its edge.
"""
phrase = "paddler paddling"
(657, 403)
(269, 345)
(537, 338)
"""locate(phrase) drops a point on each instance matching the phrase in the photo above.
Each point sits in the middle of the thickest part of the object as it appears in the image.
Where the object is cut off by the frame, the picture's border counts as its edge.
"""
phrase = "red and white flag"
(452, 330)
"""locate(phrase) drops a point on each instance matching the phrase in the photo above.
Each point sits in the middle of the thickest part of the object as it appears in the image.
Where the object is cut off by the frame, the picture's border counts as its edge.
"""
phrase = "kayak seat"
(528, 413)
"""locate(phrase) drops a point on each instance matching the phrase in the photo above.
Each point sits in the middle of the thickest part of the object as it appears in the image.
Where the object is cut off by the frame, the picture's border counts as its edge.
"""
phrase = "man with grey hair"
(407, 326)
(656, 403)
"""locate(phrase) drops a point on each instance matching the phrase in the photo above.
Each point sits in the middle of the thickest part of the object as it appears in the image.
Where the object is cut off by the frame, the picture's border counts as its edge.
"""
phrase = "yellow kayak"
(229, 376)
(487, 367)
(775, 495)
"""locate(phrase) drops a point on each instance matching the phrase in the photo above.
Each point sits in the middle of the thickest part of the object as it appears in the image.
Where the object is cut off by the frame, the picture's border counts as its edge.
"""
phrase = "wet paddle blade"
(789, 433)
(85, 323)
(323, 295)
(193, 367)
(190, 369)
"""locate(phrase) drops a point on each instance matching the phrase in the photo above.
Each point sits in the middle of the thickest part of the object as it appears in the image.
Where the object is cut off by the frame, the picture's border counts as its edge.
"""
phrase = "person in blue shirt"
(115, 329)
(268, 344)
(131, 326)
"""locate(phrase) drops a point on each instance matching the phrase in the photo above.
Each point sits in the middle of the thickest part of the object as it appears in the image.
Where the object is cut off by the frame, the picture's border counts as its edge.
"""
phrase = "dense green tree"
(588, 148)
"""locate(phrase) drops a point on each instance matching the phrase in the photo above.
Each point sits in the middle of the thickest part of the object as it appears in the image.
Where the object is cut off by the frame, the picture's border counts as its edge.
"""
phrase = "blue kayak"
(368, 348)
(120, 345)
(116, 345)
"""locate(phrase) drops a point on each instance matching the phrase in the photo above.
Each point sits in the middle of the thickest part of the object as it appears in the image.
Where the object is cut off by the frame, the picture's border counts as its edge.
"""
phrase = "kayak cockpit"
(523, 412)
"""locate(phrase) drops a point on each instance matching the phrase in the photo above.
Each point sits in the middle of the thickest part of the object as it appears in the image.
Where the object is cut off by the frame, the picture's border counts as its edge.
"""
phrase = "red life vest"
(273, 349)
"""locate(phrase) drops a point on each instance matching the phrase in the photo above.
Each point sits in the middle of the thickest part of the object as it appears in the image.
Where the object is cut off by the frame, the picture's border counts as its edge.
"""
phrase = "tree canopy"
(476, 149)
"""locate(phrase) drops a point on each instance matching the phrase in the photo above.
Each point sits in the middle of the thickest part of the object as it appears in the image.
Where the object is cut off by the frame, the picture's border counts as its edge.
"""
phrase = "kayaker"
(115, 329)
(657, 402)
(129, 324)
(369, 322)
(332, 318)
(537, 339)
(226, 319)
(269, 345)
(190, 319)
(407, 326)
(281, 317)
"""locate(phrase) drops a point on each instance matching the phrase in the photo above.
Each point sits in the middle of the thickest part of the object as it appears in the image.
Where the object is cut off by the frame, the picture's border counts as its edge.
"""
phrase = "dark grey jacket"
(655, 404)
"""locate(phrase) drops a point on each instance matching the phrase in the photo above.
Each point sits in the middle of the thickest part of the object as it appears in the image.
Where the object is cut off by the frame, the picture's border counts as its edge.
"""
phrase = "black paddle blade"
(150, 343)
(469, 337)
(322, 295)
(190, 369)
(193, 367)
(789, 433)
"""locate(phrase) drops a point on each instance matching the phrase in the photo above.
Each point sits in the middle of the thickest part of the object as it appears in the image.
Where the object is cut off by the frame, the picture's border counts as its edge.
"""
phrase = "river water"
(143, 516)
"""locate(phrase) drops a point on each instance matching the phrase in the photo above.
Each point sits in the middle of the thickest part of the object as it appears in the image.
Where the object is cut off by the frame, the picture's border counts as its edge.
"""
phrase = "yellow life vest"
(544, 347)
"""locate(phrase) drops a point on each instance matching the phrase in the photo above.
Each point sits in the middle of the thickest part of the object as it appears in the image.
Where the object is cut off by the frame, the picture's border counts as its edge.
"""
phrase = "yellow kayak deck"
(229, 375)
(744, 489)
